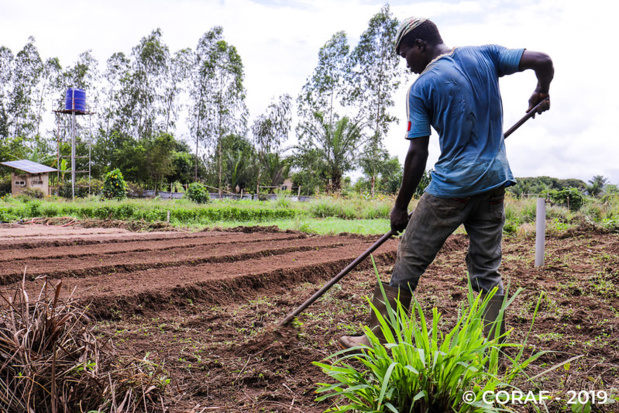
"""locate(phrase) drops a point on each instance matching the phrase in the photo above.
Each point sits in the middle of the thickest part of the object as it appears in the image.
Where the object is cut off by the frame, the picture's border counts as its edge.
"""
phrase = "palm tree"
(336, 145)
(596, 185)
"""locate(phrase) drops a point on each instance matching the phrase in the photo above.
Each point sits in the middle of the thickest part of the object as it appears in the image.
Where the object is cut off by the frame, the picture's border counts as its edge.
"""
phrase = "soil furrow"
(159, 286)
(156, 244)
(29, 242)
(217, 283)
(92, 266)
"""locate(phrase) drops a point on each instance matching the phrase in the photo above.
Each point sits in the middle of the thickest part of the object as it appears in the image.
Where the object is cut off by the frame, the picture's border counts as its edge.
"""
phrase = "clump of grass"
(421, 369)
(52, 361)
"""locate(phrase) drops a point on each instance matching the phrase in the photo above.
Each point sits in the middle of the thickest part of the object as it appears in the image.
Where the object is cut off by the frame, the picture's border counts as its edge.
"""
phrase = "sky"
(279, 40)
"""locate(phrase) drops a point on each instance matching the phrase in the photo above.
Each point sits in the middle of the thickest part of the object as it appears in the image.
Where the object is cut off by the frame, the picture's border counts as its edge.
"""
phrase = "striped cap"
(406, 27)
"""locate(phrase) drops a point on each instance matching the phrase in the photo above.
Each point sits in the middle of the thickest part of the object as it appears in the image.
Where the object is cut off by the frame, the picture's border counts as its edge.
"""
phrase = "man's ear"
(421, 44)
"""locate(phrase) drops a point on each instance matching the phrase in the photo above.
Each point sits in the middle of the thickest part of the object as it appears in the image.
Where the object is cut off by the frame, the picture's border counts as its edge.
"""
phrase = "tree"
(241, 165)
(309, 170)
(178, 74)
(151, 58)
(373, 162)
(48, 86)
(375, 74)
(159, 157)
(116, 109)
(326, 86)
(27, 68)
(276, 169)
(596, 185)
(270, 130)
(6, 76)
(336, 146)
(218, 94)
(182, 162)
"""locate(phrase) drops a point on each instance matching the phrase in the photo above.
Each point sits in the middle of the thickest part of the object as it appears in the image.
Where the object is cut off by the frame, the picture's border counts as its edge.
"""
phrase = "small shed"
(32, 175)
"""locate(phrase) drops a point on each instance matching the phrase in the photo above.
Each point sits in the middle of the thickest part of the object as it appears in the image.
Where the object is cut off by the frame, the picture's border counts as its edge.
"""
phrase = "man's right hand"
(399, 219)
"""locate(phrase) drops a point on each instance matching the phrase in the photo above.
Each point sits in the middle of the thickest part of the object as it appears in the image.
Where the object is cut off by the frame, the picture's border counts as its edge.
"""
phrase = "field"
(202, 304)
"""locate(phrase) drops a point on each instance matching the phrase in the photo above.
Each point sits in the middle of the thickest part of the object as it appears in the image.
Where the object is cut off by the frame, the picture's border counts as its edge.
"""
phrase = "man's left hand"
(399, 219)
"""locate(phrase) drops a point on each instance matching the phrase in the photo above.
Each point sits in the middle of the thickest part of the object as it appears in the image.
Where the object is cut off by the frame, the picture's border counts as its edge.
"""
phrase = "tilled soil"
(205, 304)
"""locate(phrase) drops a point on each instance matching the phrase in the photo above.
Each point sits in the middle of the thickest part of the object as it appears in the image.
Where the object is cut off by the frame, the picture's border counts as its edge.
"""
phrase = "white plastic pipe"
(540, 231)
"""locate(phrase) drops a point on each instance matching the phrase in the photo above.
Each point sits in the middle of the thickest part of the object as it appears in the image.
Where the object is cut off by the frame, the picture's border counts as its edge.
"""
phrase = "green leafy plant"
(570, 197)
(114, 186)
(422, 369)
(197, 193)
(33, 193)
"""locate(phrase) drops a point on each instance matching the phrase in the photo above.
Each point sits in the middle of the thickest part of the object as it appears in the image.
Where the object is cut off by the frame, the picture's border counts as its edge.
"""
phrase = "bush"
(197, 193)
(5, 185)
(567, 197)
(114, 186)
(34, 193)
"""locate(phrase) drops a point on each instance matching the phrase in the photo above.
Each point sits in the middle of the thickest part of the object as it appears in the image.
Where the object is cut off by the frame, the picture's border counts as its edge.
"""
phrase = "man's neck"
(439, 50)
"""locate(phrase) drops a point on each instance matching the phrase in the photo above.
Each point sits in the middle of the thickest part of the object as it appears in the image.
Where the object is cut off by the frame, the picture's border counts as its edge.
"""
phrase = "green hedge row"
(121, 211)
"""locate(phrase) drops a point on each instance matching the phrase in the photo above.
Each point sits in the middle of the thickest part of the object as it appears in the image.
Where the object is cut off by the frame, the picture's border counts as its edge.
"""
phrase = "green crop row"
(179, 212)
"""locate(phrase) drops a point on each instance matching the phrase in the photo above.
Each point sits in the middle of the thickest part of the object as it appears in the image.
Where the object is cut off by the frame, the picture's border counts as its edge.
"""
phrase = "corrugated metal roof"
(29, 166)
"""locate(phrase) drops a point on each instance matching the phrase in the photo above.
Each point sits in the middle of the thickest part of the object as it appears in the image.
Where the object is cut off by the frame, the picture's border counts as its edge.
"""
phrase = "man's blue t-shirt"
(458, 95)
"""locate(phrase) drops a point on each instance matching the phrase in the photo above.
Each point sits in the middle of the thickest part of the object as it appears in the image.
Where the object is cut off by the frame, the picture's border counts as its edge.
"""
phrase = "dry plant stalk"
(52, 361)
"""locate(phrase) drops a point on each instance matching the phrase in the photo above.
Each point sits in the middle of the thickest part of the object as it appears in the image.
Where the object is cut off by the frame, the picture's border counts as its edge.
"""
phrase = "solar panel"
(29, 166)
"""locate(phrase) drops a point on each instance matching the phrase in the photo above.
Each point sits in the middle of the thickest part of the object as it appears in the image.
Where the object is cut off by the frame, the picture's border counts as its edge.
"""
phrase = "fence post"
(540, 231)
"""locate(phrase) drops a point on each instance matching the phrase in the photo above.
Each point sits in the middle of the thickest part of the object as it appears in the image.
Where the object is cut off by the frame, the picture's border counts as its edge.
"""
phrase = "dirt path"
(202, 303)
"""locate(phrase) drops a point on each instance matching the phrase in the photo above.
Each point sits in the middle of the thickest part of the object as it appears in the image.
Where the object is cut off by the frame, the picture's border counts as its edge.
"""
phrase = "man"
(456, 93)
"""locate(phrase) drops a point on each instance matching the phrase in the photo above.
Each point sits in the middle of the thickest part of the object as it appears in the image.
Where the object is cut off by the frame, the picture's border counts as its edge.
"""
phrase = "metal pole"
(540, 232)
(73, 155)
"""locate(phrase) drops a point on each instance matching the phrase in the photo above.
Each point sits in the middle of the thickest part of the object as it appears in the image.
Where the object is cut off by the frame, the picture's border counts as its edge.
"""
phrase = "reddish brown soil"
(204, 304)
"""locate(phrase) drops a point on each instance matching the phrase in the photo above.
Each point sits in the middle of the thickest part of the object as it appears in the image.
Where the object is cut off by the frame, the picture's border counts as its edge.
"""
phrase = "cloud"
(279, 41)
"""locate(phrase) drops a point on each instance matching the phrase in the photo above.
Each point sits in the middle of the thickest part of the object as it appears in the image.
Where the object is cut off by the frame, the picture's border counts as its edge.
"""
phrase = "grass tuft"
(422, 369)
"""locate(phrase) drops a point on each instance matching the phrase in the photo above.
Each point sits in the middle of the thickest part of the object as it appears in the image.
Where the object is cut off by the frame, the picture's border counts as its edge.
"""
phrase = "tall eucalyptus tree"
(27, 68)
(374, 78)
(176, 83)
(325, 89)
(150, 66)
(217, 93)
(269, 131)
(49, 88)
(116, 109)
(375, 73)
(6, 76)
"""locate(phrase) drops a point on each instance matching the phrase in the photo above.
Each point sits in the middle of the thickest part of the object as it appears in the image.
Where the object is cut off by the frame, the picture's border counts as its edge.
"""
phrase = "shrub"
(567, 196)
(114, 186)
(5, 185)
(197, 193)
(35, 193)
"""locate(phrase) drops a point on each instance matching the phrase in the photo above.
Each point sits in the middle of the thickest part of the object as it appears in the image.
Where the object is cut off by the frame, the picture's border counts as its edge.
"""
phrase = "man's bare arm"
(414, 167)
(544, 70)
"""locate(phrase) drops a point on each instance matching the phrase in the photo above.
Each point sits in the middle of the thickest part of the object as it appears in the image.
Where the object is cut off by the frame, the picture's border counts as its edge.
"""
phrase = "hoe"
(385, 237)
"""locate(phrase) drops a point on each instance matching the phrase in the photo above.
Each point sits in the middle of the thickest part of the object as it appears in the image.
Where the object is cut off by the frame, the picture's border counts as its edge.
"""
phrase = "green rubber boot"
(491, 314)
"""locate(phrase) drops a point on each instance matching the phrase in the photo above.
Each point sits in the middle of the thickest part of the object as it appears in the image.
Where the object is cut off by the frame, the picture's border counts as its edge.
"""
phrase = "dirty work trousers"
(435, 219)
